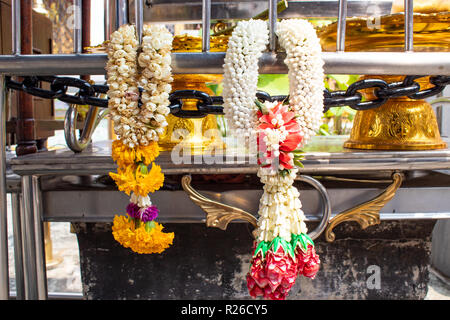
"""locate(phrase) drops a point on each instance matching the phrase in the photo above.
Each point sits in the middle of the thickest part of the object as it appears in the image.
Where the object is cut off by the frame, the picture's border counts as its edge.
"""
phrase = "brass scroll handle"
(219, 215)
(368, 213)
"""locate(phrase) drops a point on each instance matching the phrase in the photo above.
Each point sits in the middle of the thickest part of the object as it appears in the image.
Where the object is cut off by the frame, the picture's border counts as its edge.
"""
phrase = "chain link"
(90, 94)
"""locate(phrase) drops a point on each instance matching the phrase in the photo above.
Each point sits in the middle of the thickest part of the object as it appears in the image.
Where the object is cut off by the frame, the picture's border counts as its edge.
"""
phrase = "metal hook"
(325, 202)
(93, 118)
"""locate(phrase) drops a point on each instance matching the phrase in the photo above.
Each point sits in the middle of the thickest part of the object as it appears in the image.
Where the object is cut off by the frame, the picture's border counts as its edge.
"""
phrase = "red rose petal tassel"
(274, 269)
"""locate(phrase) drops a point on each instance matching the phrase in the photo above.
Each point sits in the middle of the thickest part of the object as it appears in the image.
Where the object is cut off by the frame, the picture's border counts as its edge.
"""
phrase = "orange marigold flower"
(149, 182)
(154, 241)
(147, 154)
(125, 156)
(136, 178)
(125, 178)
(139, 239)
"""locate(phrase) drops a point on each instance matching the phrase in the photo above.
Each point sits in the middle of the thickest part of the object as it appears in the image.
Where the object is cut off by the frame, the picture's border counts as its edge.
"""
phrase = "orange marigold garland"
(138, 122)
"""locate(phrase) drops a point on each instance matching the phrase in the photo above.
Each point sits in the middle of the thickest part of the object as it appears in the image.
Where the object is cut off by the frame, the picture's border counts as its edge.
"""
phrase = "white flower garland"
(280, 211)
(133, 125)
(280, 207)
(240, 79)
(155, 60)
(123, 91)
(306, 85)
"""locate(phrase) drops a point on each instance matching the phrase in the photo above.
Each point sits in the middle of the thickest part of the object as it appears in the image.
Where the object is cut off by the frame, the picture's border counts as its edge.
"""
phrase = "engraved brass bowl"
(197, 138)
(386, 33)
(401, 123)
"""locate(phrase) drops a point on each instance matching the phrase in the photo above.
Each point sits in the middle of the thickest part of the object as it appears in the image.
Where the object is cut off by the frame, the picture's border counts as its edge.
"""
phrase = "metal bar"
(341, 24)
(29, 249)
(206, 25)
(77, 32)
(86, 24)
(320, 166)
(41, 275)
(4, 273)
(409, 25)
(22, 240)
(25, 130)
(139, 18)
(107, 18)
(16, 31)
(121, 13)
(86, 28)
(375, 63)
(272, 24)
(18, 247)
(56, 296)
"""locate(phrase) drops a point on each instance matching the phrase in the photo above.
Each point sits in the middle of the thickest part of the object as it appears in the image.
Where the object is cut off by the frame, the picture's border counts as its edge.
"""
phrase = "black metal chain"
(89, 94)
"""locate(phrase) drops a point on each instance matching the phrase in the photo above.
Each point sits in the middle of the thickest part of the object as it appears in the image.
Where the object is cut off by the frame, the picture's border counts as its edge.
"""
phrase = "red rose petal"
(291, 142)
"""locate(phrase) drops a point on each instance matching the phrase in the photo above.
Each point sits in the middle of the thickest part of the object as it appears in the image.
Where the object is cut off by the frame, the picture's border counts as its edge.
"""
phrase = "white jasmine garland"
(155, 60)
(123, 90)
(136, 125)
(280, 207)
(280, 213)
(240, 79)
(306, 85)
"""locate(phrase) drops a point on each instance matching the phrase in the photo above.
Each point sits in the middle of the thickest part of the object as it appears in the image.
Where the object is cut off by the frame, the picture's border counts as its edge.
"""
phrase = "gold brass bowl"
(401, 123)
(386, 33)
(197, 138)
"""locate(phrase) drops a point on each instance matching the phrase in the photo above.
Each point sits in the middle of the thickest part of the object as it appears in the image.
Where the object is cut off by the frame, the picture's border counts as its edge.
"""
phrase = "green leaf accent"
(302, 240)
(298, 157)
(298, 163)
(287, 247)
(262, 247)
(298, 151)
(275, 244)
(259, 248)
(304, 244)
(307, 239)
(143, 168)
(149, 226)
(284, 172)
(284, 245)
(261, 107)
(297, 241)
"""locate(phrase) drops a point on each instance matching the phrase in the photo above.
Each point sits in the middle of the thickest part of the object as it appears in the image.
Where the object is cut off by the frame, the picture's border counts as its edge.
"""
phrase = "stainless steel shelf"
(318, 160)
